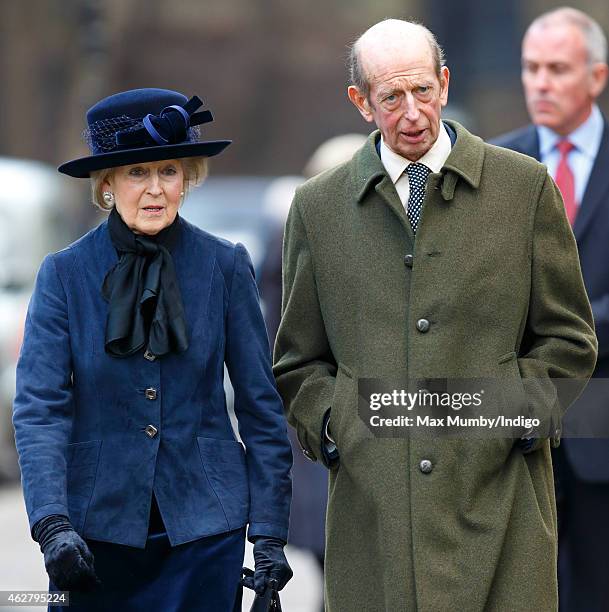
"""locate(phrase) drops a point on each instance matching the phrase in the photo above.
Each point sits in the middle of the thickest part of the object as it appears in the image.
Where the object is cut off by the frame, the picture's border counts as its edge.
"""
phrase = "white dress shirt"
(396, 164)
(587, 140)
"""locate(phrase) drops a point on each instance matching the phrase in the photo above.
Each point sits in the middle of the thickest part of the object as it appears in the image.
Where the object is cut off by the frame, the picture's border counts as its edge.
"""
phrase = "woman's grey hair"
(596, 41)
(195, 171)
(357, 74)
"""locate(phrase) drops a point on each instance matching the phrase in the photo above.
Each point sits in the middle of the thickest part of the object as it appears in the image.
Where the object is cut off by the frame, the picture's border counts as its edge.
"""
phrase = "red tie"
(565, 180)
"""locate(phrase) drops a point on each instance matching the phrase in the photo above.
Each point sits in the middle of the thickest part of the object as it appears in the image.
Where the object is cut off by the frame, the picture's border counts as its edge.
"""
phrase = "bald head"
(388, 37)
(400, 84)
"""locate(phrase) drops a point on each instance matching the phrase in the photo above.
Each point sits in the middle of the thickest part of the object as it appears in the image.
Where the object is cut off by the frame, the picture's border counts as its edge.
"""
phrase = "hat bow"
(170, 126)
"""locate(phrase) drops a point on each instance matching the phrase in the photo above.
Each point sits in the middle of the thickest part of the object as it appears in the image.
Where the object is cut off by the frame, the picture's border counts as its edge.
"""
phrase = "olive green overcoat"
(495, 272)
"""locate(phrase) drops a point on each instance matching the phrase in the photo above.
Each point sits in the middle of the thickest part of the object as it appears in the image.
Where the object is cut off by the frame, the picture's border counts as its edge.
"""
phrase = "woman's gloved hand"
(270, 564)
(67, 558)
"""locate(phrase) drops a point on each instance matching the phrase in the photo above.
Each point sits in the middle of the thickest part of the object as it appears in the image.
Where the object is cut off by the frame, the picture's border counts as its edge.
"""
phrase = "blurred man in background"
(564, 70)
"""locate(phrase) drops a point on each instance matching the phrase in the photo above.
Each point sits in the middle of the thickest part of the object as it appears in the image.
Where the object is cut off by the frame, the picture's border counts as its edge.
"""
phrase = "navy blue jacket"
(80, 415)
(588, 457)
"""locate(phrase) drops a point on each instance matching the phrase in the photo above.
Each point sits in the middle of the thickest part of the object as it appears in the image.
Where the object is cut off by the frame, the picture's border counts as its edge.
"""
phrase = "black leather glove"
(67, 558)
(526, 444)
(270, 564)
(329, 450)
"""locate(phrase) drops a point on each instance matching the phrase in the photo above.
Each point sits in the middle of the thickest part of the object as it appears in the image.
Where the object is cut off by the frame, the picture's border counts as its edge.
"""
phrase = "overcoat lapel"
(371, 176)
(464, 162)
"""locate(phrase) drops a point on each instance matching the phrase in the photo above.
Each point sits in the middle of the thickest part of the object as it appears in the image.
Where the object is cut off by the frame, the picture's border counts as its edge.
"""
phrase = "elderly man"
(564, 70)
(428, 255)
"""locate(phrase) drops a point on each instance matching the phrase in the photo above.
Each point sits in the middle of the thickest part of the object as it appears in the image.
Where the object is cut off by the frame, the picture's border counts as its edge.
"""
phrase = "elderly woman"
(135, 486)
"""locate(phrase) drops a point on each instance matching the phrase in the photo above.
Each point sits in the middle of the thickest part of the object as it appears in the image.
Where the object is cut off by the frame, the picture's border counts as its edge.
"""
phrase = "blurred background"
(272, 72)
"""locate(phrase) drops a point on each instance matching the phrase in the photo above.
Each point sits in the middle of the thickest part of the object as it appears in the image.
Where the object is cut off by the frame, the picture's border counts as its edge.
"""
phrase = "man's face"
(406, 96)
(560, 85)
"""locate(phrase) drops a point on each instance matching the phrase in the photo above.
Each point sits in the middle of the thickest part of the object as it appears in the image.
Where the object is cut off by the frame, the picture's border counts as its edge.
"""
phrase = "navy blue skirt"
(200, 575)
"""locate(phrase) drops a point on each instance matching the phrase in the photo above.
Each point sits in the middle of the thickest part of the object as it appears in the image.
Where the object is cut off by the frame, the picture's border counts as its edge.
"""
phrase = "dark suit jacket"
(589, 458)
(80, 414)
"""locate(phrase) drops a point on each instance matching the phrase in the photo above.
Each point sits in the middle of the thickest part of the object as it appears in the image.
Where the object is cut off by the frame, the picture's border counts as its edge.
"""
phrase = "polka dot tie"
(417, 178)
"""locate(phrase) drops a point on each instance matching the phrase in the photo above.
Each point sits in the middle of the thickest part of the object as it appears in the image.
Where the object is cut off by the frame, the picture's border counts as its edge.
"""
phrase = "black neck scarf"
(145, 305)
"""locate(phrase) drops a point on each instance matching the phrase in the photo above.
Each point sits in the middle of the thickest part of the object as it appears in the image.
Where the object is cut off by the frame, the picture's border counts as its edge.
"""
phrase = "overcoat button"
(425, 466)
(149, 356)
(151, 431)
(423, 325)
(408, 260)
(150, 393)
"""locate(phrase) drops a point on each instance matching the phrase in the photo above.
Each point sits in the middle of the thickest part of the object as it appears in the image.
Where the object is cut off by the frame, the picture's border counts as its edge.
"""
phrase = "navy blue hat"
(143, 125)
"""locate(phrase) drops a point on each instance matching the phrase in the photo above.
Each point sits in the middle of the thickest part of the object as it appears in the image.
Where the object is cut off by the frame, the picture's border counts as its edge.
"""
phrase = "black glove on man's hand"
(270, 564)
(67, 558)
(526, 444)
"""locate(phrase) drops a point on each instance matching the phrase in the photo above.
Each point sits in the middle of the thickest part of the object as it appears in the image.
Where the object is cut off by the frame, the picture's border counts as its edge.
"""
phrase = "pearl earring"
(108, 197)
(182, 193)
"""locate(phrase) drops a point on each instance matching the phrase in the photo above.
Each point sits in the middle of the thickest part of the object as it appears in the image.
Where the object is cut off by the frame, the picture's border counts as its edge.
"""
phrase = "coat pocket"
(226, 470)
(510, 372)
(82, 459)
(515, 402)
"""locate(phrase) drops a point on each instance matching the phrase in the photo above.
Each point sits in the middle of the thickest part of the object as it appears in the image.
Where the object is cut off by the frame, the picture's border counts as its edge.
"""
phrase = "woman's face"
(147, 195)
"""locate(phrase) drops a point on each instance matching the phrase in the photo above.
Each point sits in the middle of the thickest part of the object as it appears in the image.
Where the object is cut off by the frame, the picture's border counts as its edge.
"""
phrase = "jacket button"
(151, 431)
(408, 260)
(423, 325)
(426, 466)
(149, 356)
(150, 393)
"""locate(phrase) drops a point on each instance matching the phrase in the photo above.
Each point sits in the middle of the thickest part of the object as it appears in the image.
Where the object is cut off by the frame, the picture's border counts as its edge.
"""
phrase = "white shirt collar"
(434, 159)
(586, 138)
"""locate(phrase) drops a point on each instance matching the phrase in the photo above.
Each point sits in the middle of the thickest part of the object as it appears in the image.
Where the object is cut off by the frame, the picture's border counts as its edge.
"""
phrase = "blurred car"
(36, 217)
